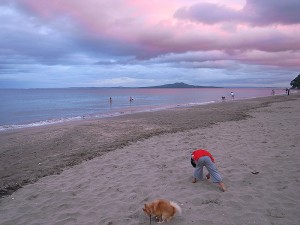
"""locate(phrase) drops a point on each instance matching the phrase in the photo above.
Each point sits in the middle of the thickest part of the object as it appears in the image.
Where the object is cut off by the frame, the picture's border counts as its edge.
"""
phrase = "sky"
(137, 43)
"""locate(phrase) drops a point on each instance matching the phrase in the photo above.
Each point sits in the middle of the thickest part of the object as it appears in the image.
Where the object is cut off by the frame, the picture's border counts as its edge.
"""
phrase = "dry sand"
(138, 158)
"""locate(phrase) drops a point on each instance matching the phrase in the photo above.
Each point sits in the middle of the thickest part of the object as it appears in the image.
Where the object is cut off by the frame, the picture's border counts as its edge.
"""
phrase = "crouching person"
(201, 158)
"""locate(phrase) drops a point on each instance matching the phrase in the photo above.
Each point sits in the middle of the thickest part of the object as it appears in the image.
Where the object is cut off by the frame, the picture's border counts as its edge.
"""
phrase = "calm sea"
(36, 107)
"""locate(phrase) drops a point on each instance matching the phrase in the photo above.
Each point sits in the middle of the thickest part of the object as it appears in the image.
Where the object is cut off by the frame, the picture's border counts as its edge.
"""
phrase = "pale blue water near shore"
(36, 107)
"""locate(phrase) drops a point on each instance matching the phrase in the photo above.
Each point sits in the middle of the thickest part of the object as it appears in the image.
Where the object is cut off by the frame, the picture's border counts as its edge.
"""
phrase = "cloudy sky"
(108, 43)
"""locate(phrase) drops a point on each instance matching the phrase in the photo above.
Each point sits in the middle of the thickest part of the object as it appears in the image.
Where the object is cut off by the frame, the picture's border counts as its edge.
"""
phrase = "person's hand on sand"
(207, 177)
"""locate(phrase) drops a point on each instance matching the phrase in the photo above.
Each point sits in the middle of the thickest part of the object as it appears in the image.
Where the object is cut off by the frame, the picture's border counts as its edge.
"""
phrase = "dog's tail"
(177, 207)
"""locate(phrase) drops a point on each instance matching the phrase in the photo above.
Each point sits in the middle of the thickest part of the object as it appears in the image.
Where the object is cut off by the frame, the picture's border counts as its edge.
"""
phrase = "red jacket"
(197, 154)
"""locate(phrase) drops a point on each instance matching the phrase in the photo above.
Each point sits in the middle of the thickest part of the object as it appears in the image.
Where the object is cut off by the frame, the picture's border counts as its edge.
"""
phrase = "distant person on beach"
(288, 91)
(130, 99)
(110, 100)
(201, 158)
(232, 95)
(273, 92)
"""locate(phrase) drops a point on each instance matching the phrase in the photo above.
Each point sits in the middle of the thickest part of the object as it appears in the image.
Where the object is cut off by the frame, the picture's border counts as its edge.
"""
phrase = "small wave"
(201, 103)
(39, 123)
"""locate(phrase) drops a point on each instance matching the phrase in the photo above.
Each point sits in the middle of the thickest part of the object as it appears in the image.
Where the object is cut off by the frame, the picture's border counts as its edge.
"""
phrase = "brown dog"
(164, 210)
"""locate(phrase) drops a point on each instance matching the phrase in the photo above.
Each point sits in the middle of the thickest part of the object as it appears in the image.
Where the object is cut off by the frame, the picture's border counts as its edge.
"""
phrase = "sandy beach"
(103, 171)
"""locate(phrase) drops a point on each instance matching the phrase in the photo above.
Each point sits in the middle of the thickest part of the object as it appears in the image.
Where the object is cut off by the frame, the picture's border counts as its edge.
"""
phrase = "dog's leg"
(159, 219)
(165, 218)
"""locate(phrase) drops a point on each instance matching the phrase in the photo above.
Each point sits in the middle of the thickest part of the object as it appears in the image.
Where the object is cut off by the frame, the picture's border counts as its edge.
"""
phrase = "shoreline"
(29, 154)
(132, 109)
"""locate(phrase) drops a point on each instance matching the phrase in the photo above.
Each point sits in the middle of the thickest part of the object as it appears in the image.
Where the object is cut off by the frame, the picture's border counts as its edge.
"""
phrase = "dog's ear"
(145, 207)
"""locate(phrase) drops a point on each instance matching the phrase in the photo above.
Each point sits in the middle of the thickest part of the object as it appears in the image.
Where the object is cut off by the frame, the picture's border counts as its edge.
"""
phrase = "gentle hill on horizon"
(180, 85)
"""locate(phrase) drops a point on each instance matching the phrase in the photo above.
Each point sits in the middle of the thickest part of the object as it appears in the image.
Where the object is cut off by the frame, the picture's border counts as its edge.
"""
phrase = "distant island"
(175, 85)
(180, 85)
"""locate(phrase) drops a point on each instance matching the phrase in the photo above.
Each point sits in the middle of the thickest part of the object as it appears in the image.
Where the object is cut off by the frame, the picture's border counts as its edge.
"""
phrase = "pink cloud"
(147, 29)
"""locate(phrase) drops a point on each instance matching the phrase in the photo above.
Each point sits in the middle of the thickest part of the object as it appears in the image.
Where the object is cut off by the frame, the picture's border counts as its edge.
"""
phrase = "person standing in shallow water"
(232, 95)
(201, 158)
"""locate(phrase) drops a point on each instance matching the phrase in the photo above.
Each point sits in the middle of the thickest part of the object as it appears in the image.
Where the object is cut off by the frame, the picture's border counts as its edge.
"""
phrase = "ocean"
(21, 108)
